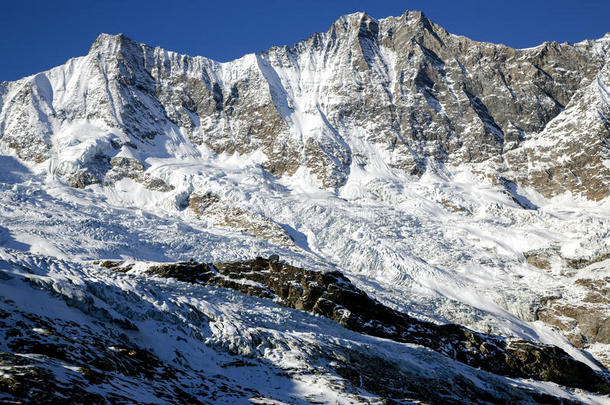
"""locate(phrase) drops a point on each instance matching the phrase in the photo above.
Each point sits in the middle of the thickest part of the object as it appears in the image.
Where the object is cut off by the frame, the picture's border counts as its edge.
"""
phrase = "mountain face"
(398, 91)
(461, 186)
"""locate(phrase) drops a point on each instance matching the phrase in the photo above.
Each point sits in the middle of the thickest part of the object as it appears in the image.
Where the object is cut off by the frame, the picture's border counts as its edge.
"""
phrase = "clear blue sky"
(37, 35)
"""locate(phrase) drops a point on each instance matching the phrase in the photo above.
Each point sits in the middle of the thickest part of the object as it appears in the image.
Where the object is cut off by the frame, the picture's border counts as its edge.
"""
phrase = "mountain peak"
(354, 19)
(110, 42)
(105, 38)
(359, 16)
(409, 17)
(414, 15)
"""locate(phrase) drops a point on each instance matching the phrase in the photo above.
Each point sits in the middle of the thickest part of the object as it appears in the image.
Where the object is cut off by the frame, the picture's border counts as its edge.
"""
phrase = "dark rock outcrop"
(332, 295)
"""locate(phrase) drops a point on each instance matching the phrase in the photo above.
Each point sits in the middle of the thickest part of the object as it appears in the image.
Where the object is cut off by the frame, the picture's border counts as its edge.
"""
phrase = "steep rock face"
(400, 91)
(553, 161)
(580, 311)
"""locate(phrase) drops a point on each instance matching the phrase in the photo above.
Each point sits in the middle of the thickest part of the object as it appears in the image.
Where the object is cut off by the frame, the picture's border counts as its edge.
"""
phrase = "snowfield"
(397, 240)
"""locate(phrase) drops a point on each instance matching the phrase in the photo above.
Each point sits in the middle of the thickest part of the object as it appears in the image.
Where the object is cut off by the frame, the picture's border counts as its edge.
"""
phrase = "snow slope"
(159, 341)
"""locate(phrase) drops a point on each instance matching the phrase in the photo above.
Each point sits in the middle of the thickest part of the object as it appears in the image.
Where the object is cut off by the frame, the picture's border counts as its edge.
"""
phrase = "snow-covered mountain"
(451, 181)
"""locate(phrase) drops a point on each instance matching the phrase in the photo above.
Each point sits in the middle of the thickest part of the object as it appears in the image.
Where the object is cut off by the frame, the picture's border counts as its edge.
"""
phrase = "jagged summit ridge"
(399, 90)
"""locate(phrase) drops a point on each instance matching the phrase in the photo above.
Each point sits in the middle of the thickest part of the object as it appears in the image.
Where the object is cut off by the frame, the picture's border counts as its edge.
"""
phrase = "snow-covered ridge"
(399, 90)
